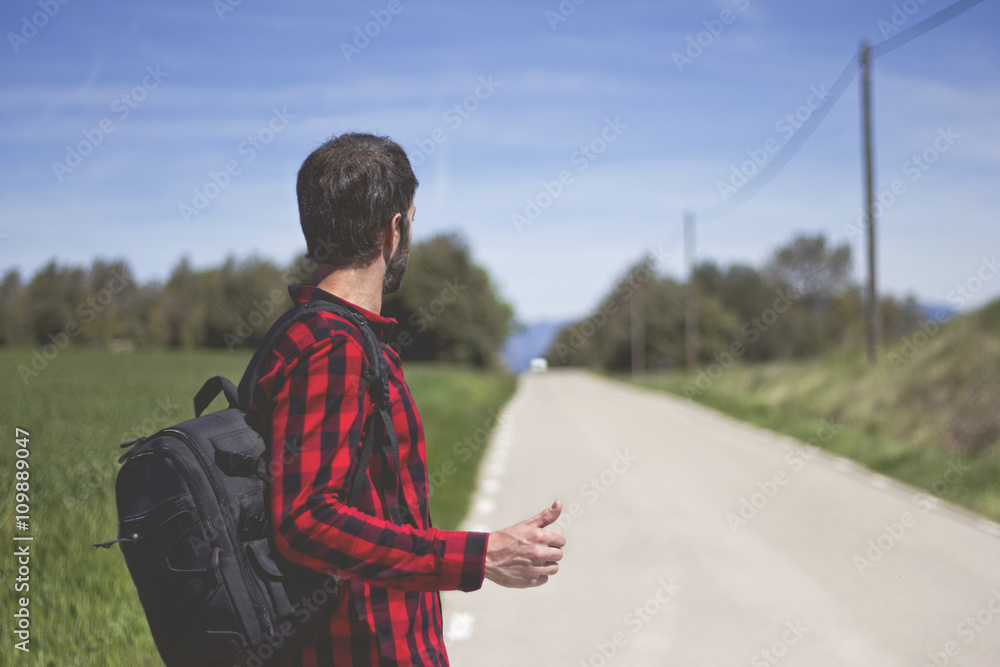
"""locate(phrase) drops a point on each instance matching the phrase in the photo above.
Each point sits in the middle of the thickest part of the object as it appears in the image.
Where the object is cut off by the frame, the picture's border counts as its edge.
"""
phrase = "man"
(355, 196)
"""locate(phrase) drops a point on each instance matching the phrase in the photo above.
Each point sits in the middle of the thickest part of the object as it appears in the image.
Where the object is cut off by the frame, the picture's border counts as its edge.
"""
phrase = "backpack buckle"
(251, 527)
(235, 464)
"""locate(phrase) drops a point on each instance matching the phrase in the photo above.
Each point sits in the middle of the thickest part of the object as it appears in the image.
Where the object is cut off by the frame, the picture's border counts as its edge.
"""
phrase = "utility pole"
(691, 309)
(873, 325)
(638, 334)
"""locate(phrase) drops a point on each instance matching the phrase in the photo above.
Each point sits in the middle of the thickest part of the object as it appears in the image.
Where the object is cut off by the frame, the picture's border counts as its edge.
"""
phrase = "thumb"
(547, 515)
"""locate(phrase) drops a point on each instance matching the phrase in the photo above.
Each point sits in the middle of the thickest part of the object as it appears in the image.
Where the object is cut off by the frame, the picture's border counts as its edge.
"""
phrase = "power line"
(946, 14)
(788, 151)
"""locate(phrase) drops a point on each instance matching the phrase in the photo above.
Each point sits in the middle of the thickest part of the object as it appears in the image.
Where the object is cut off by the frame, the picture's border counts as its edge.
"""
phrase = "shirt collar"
(382, 326)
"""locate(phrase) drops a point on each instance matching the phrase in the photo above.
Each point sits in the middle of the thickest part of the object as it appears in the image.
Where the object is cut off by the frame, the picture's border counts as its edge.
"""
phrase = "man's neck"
(360, 286)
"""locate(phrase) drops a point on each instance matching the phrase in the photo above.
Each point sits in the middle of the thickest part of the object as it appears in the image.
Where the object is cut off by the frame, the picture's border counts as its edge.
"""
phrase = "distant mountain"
(533, 341)
(939, 313)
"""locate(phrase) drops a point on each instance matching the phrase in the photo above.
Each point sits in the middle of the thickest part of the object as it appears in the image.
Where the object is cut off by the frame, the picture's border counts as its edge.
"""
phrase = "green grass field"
(83, 606)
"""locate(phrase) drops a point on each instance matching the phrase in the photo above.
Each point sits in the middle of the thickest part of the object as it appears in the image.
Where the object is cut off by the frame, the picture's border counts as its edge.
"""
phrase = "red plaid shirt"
(389, 612)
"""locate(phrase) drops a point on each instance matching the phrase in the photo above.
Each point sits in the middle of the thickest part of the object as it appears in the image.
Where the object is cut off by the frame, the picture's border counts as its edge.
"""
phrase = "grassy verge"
(84, 610)
(846, 408)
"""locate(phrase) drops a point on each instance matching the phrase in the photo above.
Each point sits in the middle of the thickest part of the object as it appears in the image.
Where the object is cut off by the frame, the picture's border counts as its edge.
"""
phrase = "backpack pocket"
(174, 558)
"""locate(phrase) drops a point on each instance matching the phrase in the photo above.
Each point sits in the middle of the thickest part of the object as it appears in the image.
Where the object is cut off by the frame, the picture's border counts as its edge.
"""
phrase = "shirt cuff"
(468, 552)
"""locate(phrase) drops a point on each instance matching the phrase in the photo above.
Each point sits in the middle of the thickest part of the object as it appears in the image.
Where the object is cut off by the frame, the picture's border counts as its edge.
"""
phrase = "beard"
(396, 267)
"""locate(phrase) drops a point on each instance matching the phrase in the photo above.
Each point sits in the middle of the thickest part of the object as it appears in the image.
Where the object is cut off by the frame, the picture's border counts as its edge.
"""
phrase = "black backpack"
(194, 525)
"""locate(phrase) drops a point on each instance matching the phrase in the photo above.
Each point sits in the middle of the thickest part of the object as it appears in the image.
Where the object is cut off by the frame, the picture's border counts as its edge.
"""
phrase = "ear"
(391, 236)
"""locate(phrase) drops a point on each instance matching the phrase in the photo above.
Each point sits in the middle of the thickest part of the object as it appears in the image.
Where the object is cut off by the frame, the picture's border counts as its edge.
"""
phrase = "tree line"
(447, 309)
(802, 302)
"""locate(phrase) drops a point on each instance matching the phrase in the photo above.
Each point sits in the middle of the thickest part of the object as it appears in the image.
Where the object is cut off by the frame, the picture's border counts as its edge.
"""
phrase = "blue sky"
(120, 120)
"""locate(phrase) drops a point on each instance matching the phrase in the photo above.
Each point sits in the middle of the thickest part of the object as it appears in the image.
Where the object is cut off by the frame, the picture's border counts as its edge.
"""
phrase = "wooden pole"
(638, 334)
(691, 309)
(873, 333)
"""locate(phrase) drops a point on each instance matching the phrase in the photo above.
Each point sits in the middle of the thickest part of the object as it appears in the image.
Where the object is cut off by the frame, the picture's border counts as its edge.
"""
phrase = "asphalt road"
(694, 539)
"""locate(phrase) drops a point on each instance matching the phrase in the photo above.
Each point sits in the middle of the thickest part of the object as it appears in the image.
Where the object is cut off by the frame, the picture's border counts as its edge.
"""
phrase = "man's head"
(350, 189)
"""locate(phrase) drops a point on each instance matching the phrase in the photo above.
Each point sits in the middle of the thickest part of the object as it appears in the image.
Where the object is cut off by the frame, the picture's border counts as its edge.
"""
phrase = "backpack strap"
(287, 319)
(375, 375)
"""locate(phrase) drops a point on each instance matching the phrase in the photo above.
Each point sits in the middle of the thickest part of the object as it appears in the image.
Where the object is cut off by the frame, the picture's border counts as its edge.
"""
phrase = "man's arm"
(317, 409)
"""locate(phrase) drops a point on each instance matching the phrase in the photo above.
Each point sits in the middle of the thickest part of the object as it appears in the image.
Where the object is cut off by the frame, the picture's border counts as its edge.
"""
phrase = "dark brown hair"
(349, 189)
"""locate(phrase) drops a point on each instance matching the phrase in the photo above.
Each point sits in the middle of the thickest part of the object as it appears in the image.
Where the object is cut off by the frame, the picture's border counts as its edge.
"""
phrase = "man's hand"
(526, 554)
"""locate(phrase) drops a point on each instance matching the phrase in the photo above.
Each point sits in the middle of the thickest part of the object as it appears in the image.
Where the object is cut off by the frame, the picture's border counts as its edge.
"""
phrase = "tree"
(12, 309)
(107, 311)
(447, 308)
(176, 318)
(53, 297)
(809, 269)
(899, 317)
(814, 274)
(742, 291)
(244, 298)
(604, 338)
